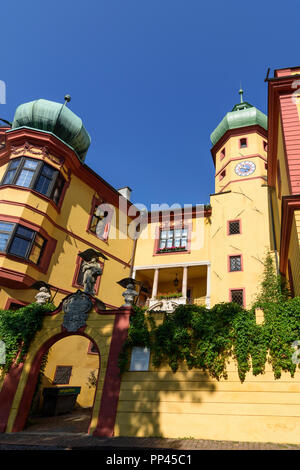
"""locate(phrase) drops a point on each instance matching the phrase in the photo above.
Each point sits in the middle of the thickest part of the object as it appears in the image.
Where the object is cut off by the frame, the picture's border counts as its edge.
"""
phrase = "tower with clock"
(240, 228)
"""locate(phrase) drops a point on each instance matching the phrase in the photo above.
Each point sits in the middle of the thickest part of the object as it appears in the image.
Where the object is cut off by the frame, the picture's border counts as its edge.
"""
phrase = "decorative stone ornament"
(43, 296)
(76, 308)
(129, 295)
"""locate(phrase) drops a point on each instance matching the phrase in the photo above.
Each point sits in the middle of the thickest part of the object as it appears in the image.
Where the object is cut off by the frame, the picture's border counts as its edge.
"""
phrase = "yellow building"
(55, 208)
(216, 251)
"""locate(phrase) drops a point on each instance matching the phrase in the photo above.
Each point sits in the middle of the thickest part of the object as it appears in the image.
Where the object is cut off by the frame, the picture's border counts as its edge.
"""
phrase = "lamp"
(176, 282)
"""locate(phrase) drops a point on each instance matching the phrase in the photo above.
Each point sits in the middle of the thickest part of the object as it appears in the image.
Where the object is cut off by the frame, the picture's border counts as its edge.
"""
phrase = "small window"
(265, 145)
(99, 224)
(266, 166)
(222, 175)
(92, 348)
(243, 142)
(222, 154)
(140, 358)
(235, 263)
(234, 227)
(62, 375)
(237, 296)
(175, 239)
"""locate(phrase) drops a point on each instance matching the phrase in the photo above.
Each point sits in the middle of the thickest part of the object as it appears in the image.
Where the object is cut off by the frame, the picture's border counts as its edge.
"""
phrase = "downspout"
(133, 256)
(273, 228)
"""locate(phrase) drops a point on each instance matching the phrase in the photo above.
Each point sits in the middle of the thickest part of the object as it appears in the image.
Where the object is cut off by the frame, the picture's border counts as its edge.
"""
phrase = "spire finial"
(67, 99)
(241, 91)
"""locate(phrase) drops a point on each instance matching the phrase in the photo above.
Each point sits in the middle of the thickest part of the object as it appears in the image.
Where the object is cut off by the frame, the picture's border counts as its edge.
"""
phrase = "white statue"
(91, 270)
(43, 296)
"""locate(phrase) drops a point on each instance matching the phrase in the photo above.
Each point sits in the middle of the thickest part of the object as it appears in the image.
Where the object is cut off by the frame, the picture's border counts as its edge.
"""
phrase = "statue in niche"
(91, 271)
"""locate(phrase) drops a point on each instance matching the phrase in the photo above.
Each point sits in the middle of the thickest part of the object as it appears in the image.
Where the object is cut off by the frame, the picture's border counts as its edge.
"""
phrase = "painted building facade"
(203, 255)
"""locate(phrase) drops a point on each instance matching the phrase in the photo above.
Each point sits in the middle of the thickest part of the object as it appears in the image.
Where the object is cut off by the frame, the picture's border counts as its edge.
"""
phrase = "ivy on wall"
(18, 329)
(206, 339)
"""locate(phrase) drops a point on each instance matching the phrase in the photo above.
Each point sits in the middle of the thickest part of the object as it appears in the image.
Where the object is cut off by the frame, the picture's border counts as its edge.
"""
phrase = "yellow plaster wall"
(191, 404)
(199, 249)
(73, 351)
(250, 204)
(234, 154)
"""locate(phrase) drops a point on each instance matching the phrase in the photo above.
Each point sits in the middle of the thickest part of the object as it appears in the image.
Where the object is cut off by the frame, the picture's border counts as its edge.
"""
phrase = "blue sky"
(150, 79)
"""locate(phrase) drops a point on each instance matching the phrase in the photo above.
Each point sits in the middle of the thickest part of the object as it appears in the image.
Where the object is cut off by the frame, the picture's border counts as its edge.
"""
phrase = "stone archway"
(107, 329)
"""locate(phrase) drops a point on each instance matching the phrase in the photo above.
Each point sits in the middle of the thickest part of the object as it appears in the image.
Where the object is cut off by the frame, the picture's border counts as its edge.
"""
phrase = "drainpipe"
(133, 256)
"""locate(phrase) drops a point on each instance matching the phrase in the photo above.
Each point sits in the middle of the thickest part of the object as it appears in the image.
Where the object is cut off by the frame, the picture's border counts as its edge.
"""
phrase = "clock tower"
(240, 227)
(240, 147)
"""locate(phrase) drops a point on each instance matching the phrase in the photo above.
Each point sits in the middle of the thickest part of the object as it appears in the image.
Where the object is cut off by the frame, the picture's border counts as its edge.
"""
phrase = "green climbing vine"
(18, 329)
(206, 339)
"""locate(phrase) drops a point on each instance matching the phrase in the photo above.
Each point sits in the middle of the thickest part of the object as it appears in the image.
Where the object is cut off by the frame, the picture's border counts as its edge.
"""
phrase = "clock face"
(245, 168)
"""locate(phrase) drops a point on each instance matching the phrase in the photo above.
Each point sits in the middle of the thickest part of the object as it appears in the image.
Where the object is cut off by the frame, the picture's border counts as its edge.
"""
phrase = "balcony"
(164, 287)
(169, 304)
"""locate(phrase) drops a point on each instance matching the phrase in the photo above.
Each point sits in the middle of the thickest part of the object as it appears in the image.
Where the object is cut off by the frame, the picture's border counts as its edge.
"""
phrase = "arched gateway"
(77, 314)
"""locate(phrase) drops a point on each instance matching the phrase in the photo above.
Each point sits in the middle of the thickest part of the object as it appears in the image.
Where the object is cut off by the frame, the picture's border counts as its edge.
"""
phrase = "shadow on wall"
(150, 402)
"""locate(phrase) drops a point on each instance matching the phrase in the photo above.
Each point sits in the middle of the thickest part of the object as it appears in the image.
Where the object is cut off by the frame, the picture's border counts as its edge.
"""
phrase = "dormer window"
(36, 175)
(243, 143)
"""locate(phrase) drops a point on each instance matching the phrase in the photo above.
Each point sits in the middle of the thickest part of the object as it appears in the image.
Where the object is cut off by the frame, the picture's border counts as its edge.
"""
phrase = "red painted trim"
(14, 279)
(63, 229)
(240, 142)
(238, 288)
(280, 104)
(7, 393)
(228, 263)
(244, 179)
(48, 250)
(11, 300)
(89, 351)
(112, 382)
(241, 158)
(17, 280)
(32, 376)
(240, 226)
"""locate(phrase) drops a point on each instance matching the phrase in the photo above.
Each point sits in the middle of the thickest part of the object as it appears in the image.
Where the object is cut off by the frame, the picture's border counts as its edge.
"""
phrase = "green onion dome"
(242, 115)
(57, 119)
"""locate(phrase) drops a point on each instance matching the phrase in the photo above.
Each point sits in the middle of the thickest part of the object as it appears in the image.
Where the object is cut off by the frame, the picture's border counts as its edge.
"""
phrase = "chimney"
(125, 192)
